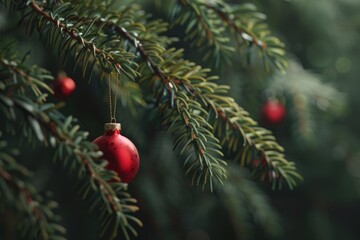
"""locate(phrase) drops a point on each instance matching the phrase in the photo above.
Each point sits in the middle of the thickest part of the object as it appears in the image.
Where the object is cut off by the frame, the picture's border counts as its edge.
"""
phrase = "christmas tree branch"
(82, 44)
(180, 76)
(196, 131)
(204, 165)
(36, 217)
(223, 108)
(228, 115)
(203, 29)
(71, 143)
(50, 127)
(248, 25)
(243, 21)
(190, 129)
(67, 34)
(222, 10)
(21, 76)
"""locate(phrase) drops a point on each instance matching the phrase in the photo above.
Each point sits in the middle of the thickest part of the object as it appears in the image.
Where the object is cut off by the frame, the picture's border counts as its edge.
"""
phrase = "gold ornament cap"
(112, 126)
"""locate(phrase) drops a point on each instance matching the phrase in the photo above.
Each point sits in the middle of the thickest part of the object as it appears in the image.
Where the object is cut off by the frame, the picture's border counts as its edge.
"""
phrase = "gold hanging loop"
(113, 98)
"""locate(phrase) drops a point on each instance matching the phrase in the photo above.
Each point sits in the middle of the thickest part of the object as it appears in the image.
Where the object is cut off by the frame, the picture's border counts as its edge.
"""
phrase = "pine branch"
(224, 109)
(52, 128)
(76, 36)
(186, 124)
(72, 145)
(182, 77)
(188, 127)
(204, 165)
(21, 77)
(36, 217)
(193, 135)
(204, 30)
(247, 23)
(205, 21)
(235, 123)
(178, 75)
(223, 11)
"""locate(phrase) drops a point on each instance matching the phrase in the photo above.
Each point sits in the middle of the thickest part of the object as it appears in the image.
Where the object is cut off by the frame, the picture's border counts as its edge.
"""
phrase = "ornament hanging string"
(113, 99)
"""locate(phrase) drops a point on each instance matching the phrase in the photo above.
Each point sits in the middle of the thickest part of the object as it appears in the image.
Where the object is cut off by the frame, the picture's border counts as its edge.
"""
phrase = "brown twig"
(231, 23)
(16, 70)
(89, 45)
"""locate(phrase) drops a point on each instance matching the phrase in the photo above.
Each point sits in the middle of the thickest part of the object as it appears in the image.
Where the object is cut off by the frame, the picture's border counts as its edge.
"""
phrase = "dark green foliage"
(240, 190)
(107, 40)
(35, 213)
(203, 162)
(306, 91)
(43, 123)
(192, 80)
(215, 27)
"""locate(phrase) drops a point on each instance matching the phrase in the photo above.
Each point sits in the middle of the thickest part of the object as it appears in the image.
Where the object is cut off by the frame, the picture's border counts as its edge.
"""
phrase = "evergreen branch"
(79, 38)
(36, 217)
(196, 136)
(65, 29)
(215, 100)
(180, 77)
(232, 123)
(68, 34)
(71, 144)
(221, 9)
(186, 77)
(22, 77)
(204, 23)
(247, 24)
(203, 29)
(228, 115)
(51, 127)
(193, 135)
(204, 164)
(243, 21)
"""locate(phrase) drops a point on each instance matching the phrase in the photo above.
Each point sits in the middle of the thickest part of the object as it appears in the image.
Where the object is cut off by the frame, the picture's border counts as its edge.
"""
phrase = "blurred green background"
(320, 133)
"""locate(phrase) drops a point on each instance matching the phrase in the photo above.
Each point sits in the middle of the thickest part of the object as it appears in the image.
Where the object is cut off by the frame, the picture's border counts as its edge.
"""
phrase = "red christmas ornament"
(63, 87)
(120, 152)
(273, 112)
(259, 162)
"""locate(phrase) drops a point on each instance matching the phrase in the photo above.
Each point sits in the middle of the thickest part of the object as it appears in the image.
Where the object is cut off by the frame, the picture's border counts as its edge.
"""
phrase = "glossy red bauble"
(273, 112)
(63, 87)
(119, 151)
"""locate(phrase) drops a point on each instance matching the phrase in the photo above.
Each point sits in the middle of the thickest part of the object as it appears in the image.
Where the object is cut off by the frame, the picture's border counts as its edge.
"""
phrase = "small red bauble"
(273, 112)
(63, 87)
(259, 162)
(119, 151)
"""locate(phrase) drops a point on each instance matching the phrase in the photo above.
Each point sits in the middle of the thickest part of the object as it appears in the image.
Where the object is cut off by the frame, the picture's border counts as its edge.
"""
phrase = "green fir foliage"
(107, 40)
(216, 27)
(35, 212)
(43, 123)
